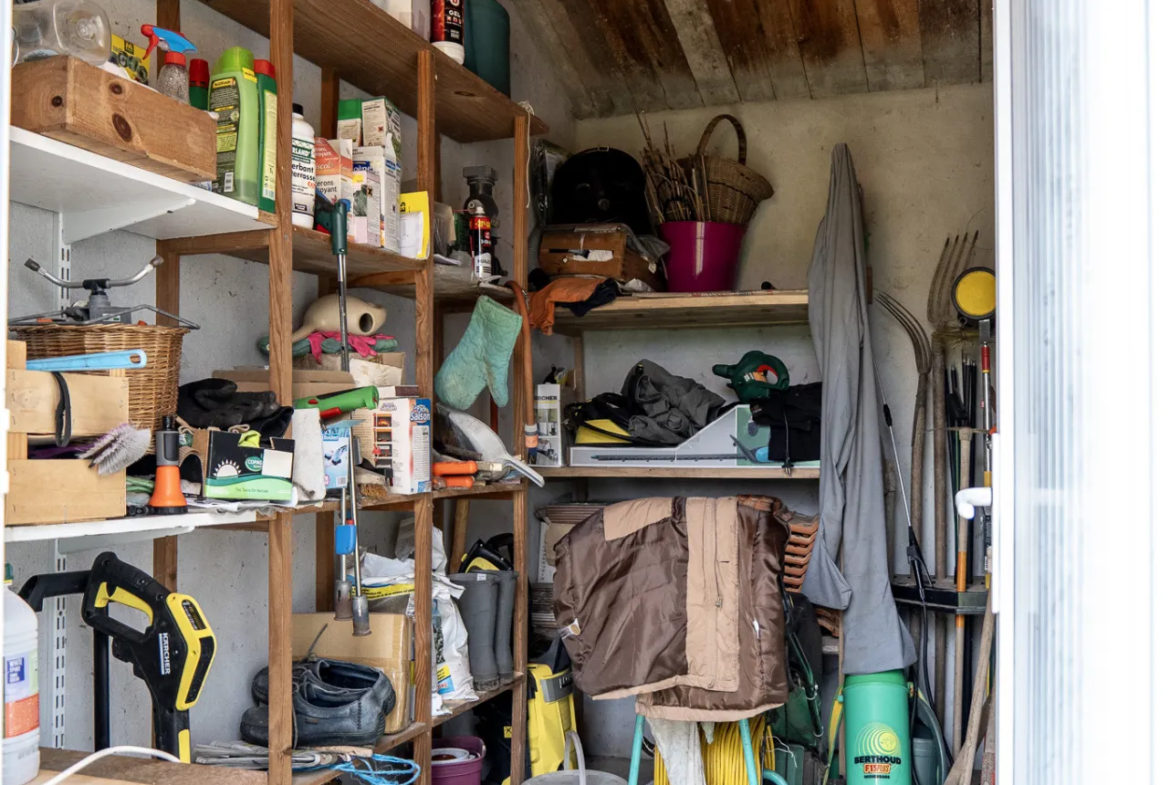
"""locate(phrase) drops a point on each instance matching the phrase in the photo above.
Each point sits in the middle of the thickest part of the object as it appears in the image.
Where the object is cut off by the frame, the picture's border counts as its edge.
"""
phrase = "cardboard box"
(414, 225)
(236, 470)
(553, 535)
(349, 120)
(332, 362)
(335, 172)
(380, 160)
(382, 126)
(131, 58)
(388, 647)
(402, 443)
(549, 428)
(365, 215)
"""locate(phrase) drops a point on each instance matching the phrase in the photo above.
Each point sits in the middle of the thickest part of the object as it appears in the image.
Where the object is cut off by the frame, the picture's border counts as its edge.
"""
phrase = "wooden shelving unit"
(681, 472)
(99, 195)
(678, 311)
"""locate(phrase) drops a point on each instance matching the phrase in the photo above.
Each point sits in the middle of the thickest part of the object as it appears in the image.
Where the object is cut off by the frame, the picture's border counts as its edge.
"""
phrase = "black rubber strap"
(64, 412)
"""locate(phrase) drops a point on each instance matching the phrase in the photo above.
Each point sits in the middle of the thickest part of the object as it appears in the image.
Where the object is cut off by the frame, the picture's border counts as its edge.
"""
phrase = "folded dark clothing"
(604, 294)
(795, 419)
(217, 403)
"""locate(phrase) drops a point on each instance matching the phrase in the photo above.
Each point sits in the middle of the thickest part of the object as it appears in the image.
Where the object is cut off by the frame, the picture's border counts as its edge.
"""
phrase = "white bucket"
(22, 755)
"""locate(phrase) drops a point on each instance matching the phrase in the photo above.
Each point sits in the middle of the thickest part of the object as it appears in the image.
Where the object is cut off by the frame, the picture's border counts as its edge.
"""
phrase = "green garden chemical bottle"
(199, 72)
(877, 729)
(266, 84)
(235, 96)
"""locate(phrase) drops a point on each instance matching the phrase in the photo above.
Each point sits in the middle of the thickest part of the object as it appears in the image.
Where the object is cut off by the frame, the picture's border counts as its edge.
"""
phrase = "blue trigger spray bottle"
(172, 75)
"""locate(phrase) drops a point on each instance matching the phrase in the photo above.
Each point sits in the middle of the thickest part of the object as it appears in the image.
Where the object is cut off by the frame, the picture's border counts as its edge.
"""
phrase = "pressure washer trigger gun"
(166, 40)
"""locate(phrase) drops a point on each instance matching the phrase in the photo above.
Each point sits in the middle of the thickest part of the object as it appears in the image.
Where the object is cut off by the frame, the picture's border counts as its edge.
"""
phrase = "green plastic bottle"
(235, 96)
(266, 84)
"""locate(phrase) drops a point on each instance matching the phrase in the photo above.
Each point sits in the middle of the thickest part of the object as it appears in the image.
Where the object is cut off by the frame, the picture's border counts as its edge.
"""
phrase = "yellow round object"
(974, 293)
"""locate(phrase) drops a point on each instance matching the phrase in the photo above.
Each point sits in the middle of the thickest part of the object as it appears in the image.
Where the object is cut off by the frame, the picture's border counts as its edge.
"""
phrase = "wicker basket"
(733, 190)
(154, 390)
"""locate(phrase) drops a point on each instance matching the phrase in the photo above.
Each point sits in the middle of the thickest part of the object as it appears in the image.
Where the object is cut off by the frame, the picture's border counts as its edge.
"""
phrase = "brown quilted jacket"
(678, 601)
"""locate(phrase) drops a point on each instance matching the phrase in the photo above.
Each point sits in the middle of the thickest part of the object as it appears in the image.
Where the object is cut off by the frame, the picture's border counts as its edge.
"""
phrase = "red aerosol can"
(447, 27)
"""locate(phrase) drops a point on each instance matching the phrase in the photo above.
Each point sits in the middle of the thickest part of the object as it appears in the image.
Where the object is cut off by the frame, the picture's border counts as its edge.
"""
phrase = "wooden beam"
(520, 634)
(703, 51)
(423, 633)
(166, 284)
(567, 69)
(459, 534)
(583, 43)
(891, 43)
(826, 32)
(949, 30)
(326, 561)
(168, 16)
(330, 99)
(216, 243)
(986, 41)
(166, 562)
(280, 709)
(280, 264)
(760, 43)
(424, 298)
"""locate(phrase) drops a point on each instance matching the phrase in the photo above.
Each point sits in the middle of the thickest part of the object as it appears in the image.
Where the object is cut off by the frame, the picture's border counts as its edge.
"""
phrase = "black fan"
(602, 185)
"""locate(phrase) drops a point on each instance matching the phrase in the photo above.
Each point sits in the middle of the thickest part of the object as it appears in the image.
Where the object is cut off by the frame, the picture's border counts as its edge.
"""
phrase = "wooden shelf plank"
(693, 473)
(383, 60)
(126, 769)
(675, 311)
(452, 286)
(481, 697)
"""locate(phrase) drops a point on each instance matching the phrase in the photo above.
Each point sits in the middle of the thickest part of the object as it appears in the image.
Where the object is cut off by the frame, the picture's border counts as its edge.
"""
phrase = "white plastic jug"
(22, 712)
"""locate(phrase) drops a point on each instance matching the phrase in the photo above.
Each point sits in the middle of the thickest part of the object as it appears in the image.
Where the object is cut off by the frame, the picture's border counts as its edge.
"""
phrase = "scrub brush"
(118, 449)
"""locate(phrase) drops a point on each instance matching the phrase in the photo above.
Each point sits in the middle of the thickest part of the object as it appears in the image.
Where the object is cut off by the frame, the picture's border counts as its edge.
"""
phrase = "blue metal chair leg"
(636, 753)
(749, 757)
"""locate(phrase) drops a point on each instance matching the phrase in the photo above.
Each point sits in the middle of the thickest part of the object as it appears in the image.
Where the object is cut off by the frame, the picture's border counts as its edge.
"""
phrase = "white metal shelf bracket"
(96, 542)
(90, 223)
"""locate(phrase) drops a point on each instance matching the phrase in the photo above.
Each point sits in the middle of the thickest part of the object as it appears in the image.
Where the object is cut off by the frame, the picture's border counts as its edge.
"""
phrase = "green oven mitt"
(481, 357)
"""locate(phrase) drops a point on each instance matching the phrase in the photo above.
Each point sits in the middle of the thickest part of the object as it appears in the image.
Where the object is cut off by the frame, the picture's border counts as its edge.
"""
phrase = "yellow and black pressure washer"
(173, 654)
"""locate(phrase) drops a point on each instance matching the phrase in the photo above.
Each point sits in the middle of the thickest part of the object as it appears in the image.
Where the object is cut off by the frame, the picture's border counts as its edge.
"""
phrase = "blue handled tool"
(101, 361)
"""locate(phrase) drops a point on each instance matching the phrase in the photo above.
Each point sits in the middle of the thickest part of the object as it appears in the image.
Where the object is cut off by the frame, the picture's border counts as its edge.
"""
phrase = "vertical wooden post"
(330, 95)
(941, 506)
(166, 298)
(523, 389)
(424, 370)
(459, 534)
(168, 16)
(280, 25)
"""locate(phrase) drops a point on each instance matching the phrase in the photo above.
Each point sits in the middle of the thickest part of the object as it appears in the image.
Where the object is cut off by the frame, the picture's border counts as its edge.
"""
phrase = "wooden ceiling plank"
(585, 43)
(642, 37)
(891, 43)
(986, 38)
(950, 40)
(703, 51)
(741, 36)
(782, 51)
(826, 32)
(566, 62)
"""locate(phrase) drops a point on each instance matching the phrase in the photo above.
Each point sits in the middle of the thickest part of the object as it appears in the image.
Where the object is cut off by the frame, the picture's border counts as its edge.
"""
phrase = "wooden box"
(60, 491)
(82, 105)
(569, 252)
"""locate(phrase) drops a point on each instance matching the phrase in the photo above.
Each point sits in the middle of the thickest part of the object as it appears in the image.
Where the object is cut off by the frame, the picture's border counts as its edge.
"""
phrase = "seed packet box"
(402, 435)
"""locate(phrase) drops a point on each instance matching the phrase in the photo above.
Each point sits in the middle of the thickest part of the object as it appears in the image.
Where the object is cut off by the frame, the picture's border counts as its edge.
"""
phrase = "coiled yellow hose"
(723, 758)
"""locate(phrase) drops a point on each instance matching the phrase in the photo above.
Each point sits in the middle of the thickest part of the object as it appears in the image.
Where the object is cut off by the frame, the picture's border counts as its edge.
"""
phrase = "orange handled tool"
(464, 481)
(453, 468)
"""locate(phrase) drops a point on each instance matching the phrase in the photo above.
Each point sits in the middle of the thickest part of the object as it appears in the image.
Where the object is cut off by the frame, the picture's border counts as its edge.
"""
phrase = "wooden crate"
(563, 253)
(60, 491)
(79, 104)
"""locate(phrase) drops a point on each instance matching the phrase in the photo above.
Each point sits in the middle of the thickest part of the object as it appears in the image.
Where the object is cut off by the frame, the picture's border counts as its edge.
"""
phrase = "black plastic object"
(602, 185)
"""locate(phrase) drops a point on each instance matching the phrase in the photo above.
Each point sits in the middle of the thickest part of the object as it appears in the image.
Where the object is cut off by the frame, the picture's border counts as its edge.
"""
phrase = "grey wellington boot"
(504, 610)
(477, 607)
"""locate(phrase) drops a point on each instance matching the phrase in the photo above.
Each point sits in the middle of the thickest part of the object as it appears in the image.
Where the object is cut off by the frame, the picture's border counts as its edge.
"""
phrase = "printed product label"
(304, 176)
(446, 683)
(880, 751)
(224, 98)
(22, 708)
(268, 166)
(447, 22)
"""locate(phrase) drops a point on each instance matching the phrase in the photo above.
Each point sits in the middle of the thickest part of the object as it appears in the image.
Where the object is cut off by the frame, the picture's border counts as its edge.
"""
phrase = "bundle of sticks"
(673, 193)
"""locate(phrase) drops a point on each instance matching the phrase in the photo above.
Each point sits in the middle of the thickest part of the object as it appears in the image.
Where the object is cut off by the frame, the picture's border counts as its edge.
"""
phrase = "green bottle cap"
(235, 59)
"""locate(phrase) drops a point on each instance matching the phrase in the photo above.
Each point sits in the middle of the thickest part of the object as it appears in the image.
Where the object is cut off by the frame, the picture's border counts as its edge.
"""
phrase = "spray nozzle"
(166, 40)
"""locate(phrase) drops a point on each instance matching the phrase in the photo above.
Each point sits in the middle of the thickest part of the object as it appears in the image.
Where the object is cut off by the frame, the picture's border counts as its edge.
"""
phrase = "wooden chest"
(597, 250)
(82, 105)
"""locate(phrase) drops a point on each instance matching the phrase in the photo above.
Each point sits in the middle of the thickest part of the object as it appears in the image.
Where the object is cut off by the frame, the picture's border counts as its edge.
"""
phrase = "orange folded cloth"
(543, 305)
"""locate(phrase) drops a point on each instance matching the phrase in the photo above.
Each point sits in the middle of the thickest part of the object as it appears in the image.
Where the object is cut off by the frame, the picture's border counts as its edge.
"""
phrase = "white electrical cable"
(81, 764)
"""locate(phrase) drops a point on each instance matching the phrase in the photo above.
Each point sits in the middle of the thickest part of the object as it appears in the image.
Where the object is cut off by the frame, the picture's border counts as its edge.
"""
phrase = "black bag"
(795, 419)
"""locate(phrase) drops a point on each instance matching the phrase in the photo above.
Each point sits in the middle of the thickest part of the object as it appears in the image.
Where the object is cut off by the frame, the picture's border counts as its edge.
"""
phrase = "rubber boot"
(504, 624)
(477, 607)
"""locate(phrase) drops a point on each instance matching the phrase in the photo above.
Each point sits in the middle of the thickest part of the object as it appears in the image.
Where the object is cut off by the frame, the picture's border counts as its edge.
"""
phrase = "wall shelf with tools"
(105, 195)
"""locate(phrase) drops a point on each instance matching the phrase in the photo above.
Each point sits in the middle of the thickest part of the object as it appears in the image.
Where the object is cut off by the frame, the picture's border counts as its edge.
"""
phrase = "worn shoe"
(334, 703)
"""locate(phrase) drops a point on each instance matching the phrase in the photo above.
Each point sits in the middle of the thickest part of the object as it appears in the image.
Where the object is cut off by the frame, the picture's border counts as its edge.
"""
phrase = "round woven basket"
(733, 190)
(154, 390)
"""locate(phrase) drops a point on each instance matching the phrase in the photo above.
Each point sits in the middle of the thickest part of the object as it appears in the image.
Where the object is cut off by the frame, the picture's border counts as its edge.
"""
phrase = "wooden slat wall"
(616, 57)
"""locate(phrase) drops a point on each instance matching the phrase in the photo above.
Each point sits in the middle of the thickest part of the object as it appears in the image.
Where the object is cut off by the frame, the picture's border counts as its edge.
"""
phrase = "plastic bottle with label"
(304, 169)
(235, 96)
(22, 711)
(447, 28)
(266, 86)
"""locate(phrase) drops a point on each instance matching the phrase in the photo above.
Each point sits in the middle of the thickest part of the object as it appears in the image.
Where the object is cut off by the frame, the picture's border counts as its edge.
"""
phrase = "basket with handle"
(732, 190)
(154, 389)
(580, 776)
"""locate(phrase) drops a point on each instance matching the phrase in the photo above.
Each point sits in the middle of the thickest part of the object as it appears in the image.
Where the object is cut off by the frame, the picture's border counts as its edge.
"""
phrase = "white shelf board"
(142, 524)
(96, 194)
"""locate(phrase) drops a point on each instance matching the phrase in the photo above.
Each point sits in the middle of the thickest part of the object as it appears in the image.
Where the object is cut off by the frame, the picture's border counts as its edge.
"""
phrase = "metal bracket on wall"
(63, 256)
(57, 666)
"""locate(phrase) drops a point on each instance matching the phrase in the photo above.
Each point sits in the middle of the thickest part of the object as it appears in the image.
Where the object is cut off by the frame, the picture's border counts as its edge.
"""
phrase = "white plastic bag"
(451, 667)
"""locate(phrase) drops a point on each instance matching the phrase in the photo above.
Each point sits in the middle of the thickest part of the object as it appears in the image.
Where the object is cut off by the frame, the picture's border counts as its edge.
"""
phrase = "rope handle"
(702, 149)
